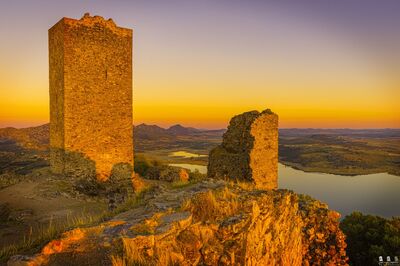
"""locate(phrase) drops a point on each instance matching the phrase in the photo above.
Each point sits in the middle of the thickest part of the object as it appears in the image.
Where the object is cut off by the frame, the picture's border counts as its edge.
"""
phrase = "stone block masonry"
(249, 150)
(90, 74)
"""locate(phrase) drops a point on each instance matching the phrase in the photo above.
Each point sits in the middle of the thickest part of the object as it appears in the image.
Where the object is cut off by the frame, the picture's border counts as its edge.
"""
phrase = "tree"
(369, 237)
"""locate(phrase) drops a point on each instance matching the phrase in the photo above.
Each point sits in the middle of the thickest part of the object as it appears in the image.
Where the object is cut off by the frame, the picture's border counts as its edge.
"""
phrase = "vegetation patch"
(38, 237)
(370, 236)
(212, 206)
(347, 154)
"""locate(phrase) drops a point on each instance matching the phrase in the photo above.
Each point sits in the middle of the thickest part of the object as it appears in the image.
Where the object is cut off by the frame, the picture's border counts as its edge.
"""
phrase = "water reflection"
(185, 154)
(192, 167)
(373, 194)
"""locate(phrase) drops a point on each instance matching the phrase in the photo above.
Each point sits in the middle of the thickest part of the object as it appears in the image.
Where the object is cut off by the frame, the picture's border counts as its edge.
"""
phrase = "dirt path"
(94, 245)
(39, 199)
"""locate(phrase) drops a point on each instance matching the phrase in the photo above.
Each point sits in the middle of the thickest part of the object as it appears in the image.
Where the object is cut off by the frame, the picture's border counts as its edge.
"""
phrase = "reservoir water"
(192, 167)
(377, 194)
(186, 154)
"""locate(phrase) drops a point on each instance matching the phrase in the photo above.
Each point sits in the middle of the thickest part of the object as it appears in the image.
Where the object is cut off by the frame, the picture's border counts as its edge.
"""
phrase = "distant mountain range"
(38, 137)
(144, 131)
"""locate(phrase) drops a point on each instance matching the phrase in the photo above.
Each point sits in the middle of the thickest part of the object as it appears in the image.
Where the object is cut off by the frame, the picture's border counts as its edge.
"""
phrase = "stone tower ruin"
(90, 74)
(249, 150)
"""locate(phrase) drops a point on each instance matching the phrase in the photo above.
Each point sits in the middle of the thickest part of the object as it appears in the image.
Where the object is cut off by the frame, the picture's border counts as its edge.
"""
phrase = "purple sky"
(272, 49)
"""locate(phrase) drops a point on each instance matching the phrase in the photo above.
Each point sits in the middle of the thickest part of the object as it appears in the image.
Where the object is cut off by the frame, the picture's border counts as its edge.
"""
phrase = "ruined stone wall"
(56, 86)
(91, 126)
(249, 150)
(264, 154)
(210, 223)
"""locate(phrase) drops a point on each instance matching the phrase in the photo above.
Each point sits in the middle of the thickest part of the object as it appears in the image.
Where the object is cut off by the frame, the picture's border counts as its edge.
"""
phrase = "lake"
(377, 194)
(186, 154)
(192, 167)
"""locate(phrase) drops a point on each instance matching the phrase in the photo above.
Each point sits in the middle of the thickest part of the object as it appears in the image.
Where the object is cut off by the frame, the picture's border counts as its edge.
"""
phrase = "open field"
(336, 151)
(40, 206)
(346, 152)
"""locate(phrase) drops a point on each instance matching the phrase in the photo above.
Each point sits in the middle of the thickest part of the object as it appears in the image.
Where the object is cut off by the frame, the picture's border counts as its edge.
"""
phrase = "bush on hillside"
(370, 236)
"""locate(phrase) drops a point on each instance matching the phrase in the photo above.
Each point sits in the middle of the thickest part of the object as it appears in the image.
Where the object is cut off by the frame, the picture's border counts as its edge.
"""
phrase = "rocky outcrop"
(249, 150)
(213, 222)
(323, 241)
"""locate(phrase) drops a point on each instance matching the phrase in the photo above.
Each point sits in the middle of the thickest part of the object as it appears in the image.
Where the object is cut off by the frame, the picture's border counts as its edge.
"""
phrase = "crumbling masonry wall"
(90, 74)
(249, 150)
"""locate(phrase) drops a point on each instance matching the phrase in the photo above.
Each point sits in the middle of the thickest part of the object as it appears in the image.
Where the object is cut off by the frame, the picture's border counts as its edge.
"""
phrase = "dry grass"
(143, 228)
(212, 206)
(39, 236)
(226, 194)
(131, 255)
(181, 184)
(117, 261)
(245, 185)
(44, 233)
(208, 206)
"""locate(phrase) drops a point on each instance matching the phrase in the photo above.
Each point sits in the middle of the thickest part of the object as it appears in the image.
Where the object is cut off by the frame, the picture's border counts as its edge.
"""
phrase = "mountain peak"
(176, 126)
(181, 130)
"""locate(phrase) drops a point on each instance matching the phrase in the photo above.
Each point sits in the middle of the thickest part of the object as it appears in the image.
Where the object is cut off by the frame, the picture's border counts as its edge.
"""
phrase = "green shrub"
(143, 166)
(196, 175)
(370, 236)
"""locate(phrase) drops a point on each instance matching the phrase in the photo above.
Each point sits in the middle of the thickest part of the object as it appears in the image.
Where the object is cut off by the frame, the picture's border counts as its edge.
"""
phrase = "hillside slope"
(208, 223)
(30, 137)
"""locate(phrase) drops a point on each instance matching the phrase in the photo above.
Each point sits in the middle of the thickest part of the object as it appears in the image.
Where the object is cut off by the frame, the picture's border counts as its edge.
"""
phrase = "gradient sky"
(316, 63)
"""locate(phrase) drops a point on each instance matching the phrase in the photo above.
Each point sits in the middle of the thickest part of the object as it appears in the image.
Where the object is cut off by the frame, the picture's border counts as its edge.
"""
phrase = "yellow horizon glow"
(201, 77)
(358, 107)
(215, 117)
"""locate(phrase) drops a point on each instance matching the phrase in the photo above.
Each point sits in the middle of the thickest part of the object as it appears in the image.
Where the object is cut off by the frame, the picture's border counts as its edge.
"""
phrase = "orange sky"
(197, 72)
